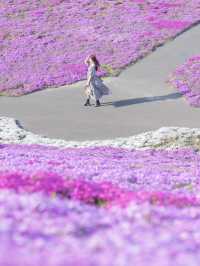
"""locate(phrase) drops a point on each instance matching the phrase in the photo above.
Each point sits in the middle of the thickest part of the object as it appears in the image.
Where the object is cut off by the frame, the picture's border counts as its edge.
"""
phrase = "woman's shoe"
(87, 103)
(97, 103)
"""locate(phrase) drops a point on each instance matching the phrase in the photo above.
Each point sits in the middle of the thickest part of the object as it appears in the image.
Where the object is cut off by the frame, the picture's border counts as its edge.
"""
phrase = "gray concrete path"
(140, 101)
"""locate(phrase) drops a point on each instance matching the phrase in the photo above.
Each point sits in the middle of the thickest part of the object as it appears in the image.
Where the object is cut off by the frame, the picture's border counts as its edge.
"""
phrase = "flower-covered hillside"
(186, 78)
(98, 206)
(44, 43)
(39, 168)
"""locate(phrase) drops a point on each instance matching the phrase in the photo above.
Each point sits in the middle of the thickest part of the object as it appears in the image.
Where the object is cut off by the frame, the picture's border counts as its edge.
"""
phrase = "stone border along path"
(141, 101)
(166, 137)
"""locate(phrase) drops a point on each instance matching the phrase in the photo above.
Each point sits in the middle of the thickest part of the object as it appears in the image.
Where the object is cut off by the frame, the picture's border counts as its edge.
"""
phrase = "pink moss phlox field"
(103, 176)
(186, 78)
(44, 43)
(38, 230)
(98, 206)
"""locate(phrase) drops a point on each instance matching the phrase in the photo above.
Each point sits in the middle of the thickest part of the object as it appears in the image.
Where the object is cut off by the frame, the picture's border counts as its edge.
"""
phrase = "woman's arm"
(89, 80)
(90, 75)
(87, 61)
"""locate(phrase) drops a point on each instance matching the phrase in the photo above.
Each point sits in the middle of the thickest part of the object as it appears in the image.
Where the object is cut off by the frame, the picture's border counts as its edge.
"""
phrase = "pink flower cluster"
(44, 43)
(186, 78)
(102, 194)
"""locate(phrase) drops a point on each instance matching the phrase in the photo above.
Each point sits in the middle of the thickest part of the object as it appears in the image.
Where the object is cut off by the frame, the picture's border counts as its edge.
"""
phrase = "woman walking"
(95, 87)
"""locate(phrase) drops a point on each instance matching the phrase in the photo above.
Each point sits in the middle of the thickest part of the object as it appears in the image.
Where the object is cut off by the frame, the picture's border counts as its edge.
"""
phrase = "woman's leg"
(97, 95)
(97, 103)
(87, 103)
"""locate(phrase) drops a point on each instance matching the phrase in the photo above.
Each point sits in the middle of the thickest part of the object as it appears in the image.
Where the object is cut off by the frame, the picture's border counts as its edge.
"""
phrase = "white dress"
(96, 86)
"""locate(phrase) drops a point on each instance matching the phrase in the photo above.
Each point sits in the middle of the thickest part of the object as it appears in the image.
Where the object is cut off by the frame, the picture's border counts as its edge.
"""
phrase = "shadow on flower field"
(127, 102)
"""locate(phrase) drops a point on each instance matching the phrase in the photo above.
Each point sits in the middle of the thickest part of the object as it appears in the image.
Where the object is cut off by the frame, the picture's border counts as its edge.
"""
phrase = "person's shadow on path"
(127, 102)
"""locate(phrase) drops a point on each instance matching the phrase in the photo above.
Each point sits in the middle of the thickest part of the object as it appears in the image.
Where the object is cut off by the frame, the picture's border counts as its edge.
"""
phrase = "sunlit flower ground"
(44, 43)
(99, 206)
(186, 78)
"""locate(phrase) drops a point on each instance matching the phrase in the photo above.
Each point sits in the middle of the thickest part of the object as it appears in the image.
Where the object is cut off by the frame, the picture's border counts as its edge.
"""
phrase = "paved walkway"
(141, 100)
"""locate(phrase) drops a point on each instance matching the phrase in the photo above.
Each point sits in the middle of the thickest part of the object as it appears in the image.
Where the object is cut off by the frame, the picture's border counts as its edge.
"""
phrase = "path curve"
(141, 100)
